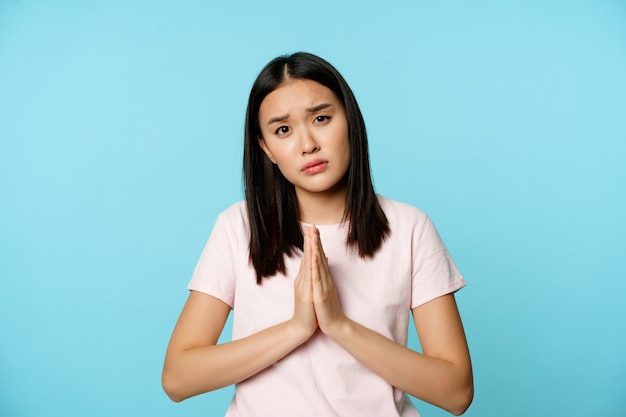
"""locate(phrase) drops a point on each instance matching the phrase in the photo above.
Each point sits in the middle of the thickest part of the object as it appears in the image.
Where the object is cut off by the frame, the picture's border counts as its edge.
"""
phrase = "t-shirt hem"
(213, 293)
(446, 289)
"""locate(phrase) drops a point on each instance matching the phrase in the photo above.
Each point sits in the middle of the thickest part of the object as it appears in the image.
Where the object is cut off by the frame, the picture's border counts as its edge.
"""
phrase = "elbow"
(171, 386)
(463, 399)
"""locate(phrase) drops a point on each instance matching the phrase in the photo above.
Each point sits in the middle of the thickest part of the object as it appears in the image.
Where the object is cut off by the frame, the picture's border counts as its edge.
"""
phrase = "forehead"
(294, 95)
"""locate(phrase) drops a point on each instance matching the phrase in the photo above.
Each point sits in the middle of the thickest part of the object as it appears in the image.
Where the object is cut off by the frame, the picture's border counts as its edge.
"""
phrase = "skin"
(195, 363)
(303, 122)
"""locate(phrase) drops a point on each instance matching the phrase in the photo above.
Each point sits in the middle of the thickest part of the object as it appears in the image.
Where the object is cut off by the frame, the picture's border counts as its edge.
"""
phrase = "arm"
(195, 363)
(442, 375)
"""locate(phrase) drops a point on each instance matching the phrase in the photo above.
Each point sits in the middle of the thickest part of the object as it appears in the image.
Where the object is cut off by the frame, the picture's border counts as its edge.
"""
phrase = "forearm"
(193, 371)
(437, 381)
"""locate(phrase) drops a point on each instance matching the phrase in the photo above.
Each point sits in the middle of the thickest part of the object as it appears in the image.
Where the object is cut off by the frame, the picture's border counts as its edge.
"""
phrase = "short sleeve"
(215, 272)
(433, 271)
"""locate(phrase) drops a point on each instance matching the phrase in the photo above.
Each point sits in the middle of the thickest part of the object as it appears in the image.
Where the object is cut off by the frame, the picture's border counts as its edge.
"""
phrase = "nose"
(309, 144)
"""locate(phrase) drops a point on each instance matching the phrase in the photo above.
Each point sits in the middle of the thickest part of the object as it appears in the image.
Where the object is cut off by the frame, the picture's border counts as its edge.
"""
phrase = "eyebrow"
(277, 119)
(313, 109)
(319, 107)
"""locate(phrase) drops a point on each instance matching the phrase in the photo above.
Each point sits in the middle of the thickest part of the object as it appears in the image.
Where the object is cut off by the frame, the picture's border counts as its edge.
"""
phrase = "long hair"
(271, 200)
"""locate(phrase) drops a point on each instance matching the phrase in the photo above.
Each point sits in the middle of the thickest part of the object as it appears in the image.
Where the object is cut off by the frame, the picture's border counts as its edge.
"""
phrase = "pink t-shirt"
(319, 378)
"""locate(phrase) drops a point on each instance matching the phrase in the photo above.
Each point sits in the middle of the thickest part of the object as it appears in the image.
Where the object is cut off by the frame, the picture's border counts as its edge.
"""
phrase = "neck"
(322, 208)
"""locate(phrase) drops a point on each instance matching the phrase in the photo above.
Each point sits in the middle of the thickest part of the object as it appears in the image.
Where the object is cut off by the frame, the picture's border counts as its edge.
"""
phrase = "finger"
(323, 259)
(319, 242)
(316, 277)
(315, 234)
(305, 253)
(314, 241)
(305, 247)
(304, 273)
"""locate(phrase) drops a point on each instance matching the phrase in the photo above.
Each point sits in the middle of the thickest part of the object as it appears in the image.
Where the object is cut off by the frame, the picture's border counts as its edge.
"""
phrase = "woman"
(320, 272)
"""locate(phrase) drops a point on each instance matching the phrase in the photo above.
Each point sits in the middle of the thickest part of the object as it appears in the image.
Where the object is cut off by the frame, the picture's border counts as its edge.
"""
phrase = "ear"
(265, 149)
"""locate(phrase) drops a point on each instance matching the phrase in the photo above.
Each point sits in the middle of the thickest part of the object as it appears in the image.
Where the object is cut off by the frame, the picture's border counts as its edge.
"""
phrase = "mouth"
(314, 167)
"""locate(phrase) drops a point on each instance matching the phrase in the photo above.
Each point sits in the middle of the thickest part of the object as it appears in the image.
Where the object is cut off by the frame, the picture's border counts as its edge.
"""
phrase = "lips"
(314, 167)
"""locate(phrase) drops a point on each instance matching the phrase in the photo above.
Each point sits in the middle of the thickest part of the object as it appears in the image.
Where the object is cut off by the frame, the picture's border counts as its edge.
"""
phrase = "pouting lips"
(315, 166)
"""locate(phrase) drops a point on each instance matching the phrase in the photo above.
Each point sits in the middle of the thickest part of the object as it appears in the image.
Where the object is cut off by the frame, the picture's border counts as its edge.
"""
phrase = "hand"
(304, 311)
(325, 299)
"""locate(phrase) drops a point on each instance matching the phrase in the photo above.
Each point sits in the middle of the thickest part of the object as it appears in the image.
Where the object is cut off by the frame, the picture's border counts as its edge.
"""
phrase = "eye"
(322, 119)
(281, 131)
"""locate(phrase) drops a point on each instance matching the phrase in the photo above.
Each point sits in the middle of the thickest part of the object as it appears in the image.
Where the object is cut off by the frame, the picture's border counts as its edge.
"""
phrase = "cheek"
(281, 157)
(287, 171)
(280, 153)
(344, 142)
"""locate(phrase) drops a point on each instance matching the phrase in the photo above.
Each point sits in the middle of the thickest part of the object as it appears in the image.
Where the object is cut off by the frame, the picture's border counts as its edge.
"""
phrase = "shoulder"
(234, 220)
(401, 214)
(406, 221)
(236, 212)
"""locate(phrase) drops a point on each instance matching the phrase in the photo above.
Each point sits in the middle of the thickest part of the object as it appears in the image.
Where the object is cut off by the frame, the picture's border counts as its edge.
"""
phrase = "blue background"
(121, 139)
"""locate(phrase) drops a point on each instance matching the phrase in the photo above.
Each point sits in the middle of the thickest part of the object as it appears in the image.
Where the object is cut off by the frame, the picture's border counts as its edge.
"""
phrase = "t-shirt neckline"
(329, 230)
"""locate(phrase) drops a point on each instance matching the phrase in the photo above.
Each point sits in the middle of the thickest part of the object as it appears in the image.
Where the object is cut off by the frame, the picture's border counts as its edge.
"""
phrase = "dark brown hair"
(271, 200)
